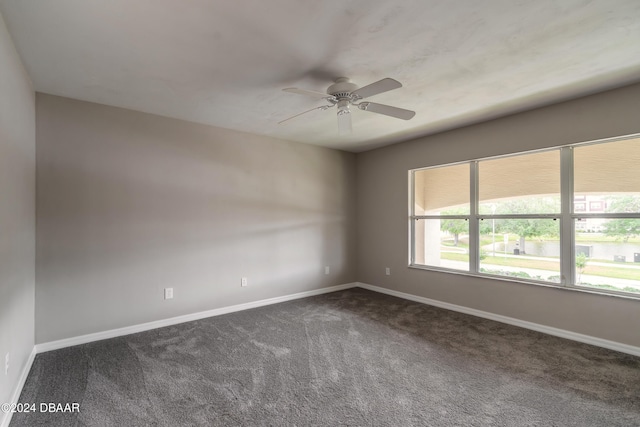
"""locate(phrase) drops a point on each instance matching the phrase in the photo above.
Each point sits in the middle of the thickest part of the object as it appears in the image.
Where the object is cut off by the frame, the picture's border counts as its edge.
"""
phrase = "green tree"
(527, 228)
(455, 226)
(623, 227)
(581, 263)
(486, 227)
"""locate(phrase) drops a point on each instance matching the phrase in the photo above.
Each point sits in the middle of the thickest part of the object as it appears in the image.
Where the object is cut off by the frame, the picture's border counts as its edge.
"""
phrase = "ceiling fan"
(343, 94)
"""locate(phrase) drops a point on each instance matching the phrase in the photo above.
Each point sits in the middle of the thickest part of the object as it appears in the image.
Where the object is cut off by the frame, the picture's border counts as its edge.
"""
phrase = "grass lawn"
(454, 256)
(551, 265)
(618, 273)
(485, 240)
(601, 238)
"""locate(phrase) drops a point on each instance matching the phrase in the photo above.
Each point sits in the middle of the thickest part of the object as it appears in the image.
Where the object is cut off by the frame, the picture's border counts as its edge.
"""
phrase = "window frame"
(412, 222)
(567, 218)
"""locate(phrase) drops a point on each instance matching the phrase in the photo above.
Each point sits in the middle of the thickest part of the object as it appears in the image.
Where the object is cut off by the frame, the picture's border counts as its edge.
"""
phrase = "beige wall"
(383, 214)
(17, 215)
(130, 203)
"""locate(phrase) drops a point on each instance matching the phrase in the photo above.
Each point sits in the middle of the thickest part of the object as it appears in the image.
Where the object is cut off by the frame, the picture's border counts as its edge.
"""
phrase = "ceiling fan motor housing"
(342, 88)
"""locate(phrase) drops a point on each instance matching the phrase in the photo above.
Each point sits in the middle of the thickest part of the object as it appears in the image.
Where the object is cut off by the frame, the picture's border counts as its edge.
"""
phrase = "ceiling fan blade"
(312, 93)
(387, 110)
(322, 107)
(380, 86)
(344, 122)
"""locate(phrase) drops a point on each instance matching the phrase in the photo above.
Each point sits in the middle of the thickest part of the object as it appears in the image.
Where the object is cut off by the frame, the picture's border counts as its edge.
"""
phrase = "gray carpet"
(354, 358)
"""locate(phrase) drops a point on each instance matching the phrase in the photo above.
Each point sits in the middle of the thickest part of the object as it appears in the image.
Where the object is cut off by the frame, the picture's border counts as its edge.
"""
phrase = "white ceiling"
(224, 62)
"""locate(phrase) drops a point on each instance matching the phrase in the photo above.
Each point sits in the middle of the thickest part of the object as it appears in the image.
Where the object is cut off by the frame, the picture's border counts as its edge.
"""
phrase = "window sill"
(571, 288)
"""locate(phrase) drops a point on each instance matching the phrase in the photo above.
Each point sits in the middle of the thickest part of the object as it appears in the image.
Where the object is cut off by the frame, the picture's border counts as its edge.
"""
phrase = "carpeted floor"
(354, 357)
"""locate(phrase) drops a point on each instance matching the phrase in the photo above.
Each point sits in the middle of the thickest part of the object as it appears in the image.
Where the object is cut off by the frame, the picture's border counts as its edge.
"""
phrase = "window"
(519, 200)
(441, 198)
(607, 234)
(514, 216)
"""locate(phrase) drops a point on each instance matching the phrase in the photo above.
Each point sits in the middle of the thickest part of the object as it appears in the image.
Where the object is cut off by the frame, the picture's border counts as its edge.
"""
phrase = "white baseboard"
(562, 333)
(113, 333)
(83, 339)
(6, 420)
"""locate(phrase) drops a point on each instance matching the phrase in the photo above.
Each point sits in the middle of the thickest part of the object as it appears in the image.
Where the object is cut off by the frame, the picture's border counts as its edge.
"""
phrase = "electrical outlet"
(327, 270)
(6, 364)
(244, 282)
(168, 293)
(387, 271)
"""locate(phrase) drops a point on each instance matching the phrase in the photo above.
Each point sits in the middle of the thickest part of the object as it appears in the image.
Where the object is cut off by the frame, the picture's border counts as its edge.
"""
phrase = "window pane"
(606, 177)
(442, 191)
(527, 184)
(527, 248)
(608, 262)
(442, 243)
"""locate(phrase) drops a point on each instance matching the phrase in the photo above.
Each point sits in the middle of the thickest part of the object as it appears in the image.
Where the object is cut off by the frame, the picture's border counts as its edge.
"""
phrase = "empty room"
(319, 213)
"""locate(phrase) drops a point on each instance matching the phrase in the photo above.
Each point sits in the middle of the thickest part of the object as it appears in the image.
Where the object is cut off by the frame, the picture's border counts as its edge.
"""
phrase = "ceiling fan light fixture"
(344, 117)
(343, 106)
(344, 122)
